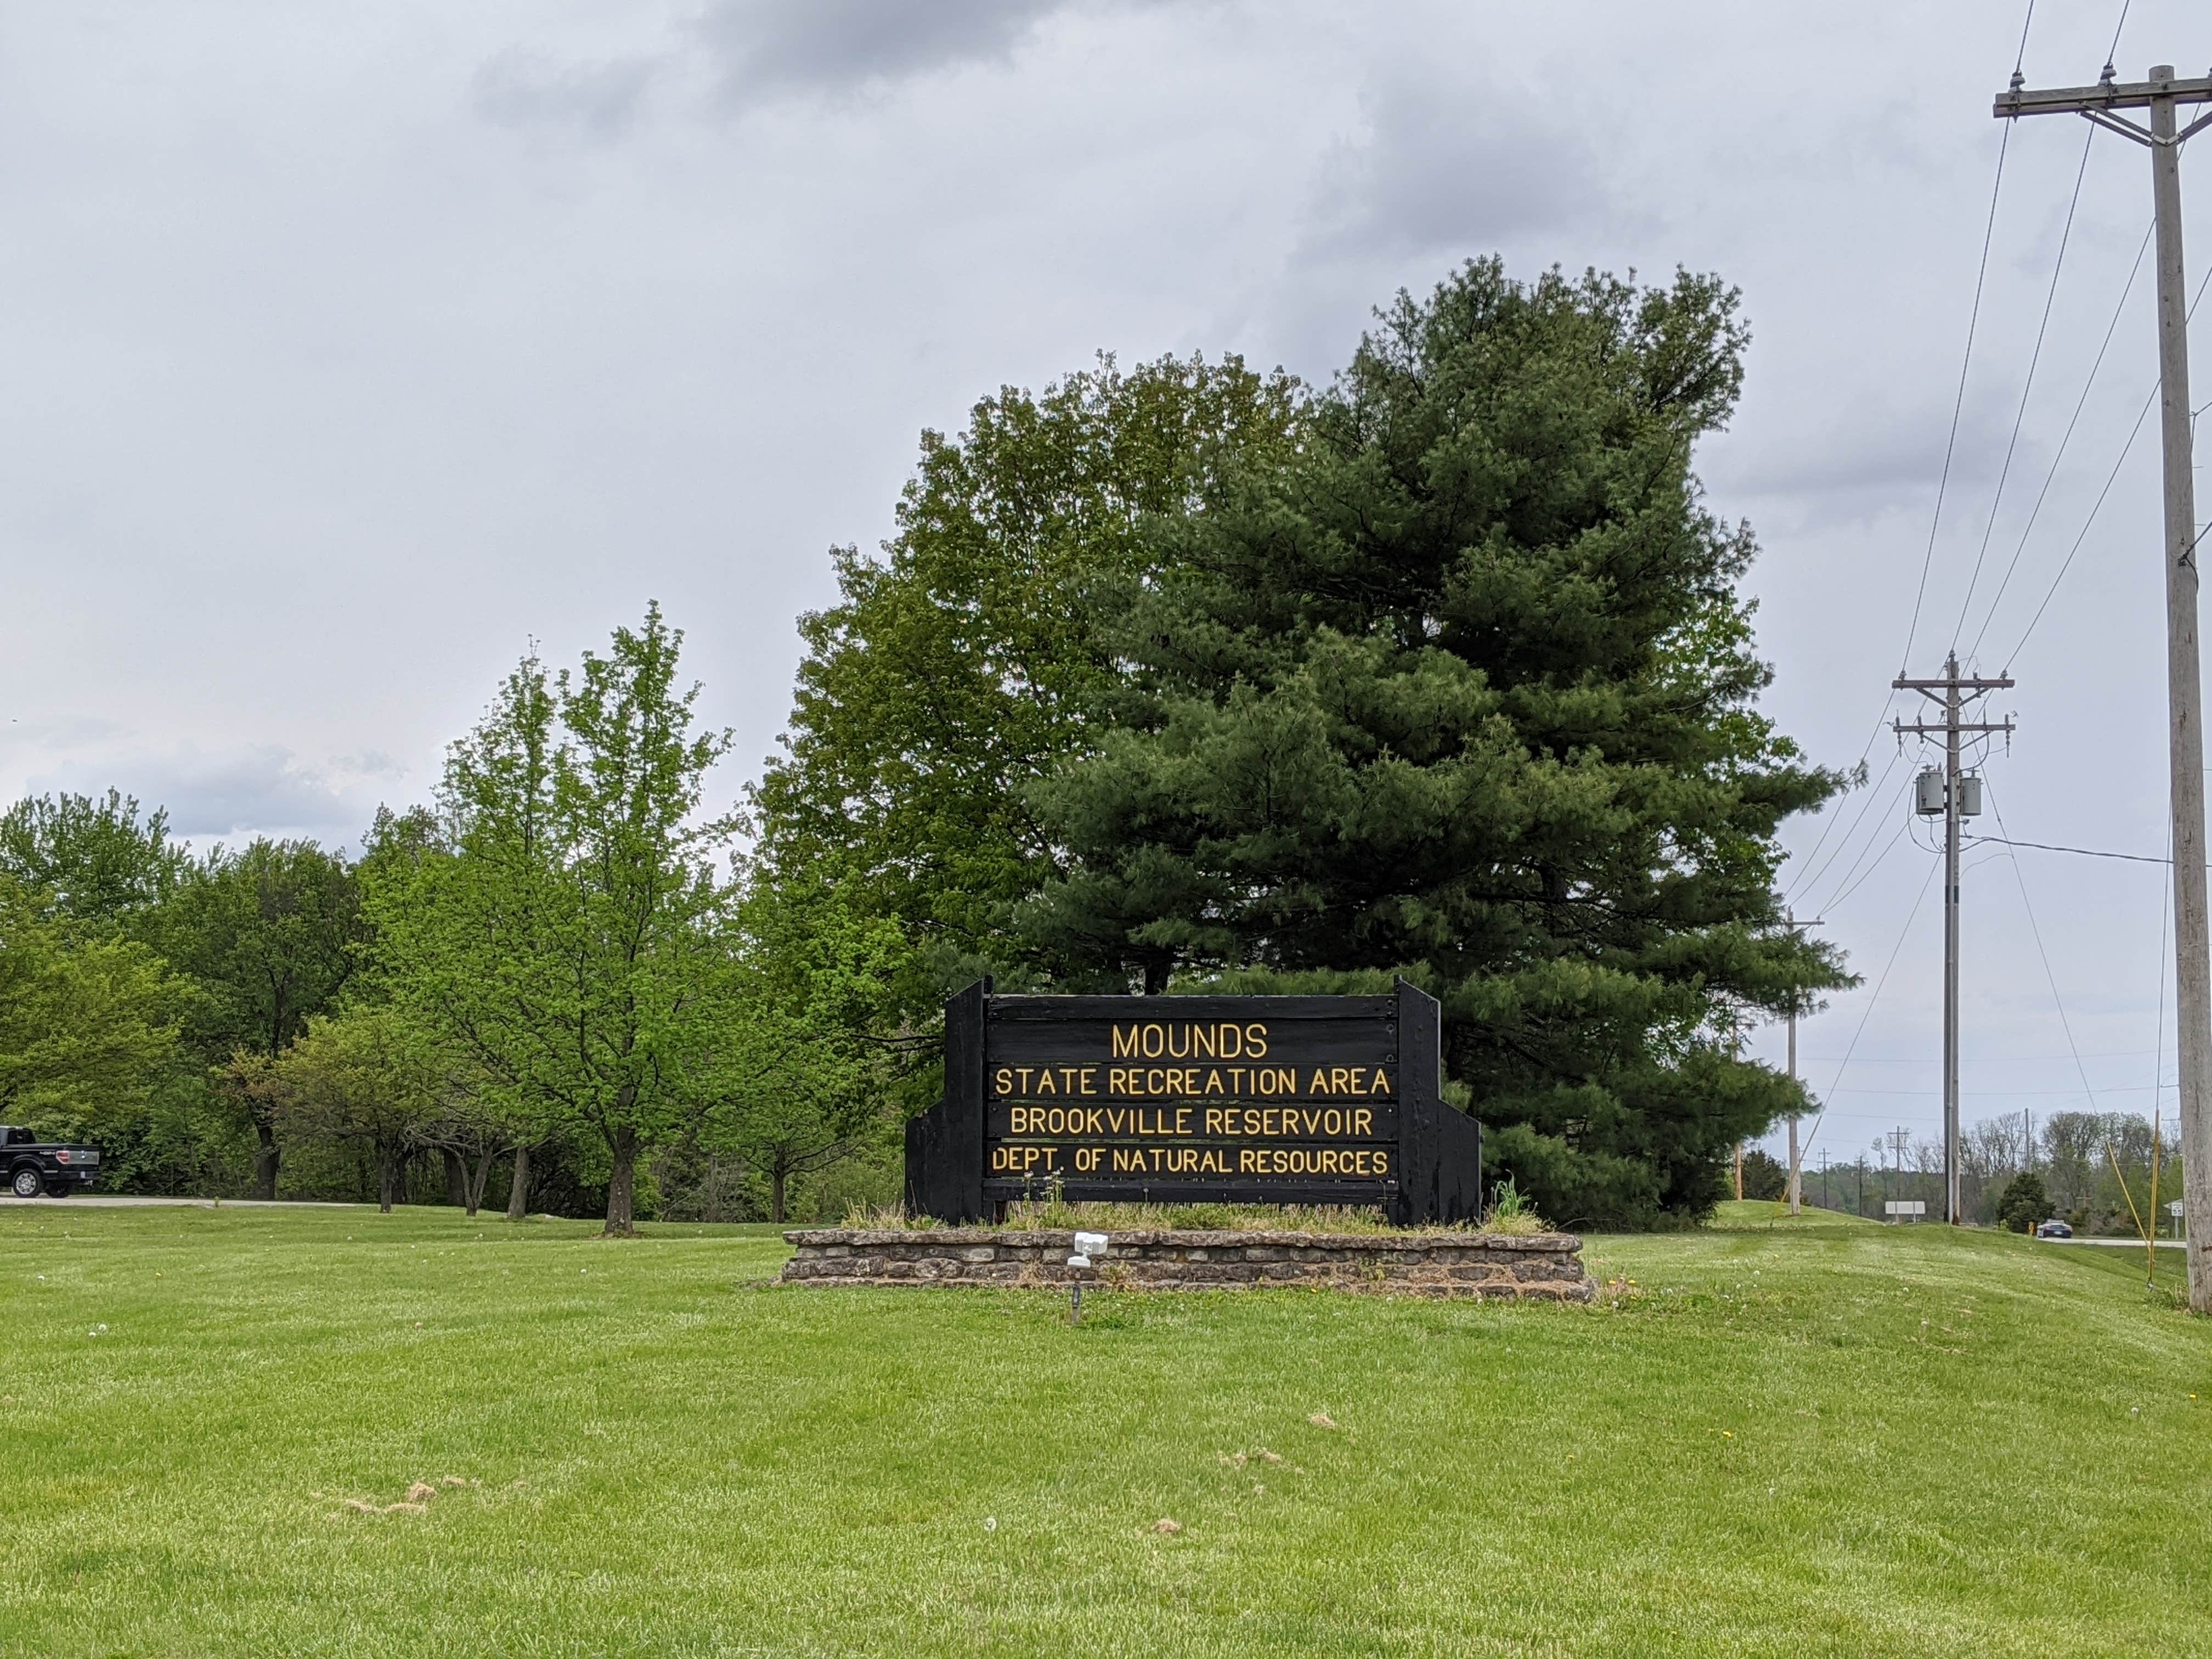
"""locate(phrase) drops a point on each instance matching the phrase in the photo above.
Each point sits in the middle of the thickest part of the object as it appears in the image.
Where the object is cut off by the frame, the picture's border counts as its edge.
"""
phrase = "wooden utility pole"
(1796, 1160)
(1957, 692)
(2162, 95)
(1796, 1163)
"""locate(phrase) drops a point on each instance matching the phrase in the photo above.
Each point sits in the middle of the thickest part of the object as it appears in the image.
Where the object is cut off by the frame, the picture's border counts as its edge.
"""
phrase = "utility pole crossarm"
(1937, 731)
(2105, 95)
(2002, 683)
(2098, 103)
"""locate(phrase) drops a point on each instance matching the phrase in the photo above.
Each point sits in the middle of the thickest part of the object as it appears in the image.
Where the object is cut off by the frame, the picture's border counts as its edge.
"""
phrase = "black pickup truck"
(33, 1167)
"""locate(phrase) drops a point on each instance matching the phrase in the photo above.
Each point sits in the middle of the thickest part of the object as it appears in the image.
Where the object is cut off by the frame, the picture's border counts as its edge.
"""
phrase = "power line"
(2036, 933)
(2111, 478)
(1843, 1064)
(2010, 1094)
(2085, 852)
(2034, 357)
(1840, 897)
(1814, 871)
(1950, 444)
(1993, 1059)
(1959, 403)
(1858, 858)
(2051, 475)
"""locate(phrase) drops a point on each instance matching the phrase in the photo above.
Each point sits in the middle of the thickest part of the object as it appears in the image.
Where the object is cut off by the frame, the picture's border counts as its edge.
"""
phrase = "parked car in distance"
(2053, 1229)
(33, 1167)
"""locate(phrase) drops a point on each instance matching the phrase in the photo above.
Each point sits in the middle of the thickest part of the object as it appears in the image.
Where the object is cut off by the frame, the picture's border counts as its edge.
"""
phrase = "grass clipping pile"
(417, 1502)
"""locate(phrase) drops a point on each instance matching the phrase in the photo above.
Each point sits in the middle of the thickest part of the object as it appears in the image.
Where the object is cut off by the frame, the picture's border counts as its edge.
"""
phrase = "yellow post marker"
(2150, 1246)
(2147, 1245)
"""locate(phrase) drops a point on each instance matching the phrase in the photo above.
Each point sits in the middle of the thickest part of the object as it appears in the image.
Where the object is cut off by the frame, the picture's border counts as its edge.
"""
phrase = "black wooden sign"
(1276, 1100)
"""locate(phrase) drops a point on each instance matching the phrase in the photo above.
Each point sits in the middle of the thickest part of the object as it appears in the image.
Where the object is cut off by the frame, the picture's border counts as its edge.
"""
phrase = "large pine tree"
(1463, 689)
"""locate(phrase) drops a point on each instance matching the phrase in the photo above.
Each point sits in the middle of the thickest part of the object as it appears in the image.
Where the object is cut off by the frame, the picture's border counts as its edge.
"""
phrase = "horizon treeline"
(1173, 678)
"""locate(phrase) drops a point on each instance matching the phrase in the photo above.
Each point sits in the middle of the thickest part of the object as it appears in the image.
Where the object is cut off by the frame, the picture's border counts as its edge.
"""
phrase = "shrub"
(2025, 1202)
(1764, 1175)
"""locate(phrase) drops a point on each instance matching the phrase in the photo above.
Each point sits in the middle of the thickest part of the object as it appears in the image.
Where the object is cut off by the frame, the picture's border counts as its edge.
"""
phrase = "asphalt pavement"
(123, 1201)
(2118, 1243)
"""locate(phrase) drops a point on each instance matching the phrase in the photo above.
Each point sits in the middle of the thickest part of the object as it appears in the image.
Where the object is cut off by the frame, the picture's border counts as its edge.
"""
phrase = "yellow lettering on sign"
(1003, 1081)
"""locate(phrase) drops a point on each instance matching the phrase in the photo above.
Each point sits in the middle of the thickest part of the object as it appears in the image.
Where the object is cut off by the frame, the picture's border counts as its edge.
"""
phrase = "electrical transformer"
(1928, 794)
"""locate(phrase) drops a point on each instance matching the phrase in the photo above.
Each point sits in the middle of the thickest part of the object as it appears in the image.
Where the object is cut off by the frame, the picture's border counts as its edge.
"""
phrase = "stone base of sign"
(1544, 1266)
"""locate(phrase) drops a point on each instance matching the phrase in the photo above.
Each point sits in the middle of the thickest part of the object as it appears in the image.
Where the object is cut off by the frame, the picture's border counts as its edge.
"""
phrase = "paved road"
(119, 1201)
(2116, 1243)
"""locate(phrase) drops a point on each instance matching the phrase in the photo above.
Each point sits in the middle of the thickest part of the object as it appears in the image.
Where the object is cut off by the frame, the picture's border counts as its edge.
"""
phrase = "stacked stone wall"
(1546, 1265)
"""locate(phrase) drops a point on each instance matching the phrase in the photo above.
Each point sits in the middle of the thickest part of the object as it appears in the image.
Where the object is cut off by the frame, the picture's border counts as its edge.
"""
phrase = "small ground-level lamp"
(1087, 1246)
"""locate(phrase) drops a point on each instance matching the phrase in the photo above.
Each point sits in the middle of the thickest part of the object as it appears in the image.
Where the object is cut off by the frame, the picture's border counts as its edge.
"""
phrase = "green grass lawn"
(1823, 1438)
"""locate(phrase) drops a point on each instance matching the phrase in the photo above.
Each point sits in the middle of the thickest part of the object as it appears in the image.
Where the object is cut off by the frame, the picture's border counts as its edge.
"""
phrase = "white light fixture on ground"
(1088, 1246)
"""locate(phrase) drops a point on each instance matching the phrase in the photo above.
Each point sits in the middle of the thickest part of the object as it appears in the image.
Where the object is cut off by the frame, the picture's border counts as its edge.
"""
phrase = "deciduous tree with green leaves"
(93, 856)
(1463, 689)
(87, 1018)
(565, 933)
(269, 935)
(800, 1080)
(366, 1075)
(962, 662)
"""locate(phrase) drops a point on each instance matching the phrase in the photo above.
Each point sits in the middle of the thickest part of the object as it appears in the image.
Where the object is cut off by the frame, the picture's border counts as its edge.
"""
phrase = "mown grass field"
(1824, 1438)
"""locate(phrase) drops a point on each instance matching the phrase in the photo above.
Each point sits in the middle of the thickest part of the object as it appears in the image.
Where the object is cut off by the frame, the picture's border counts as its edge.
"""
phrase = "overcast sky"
(349, 350)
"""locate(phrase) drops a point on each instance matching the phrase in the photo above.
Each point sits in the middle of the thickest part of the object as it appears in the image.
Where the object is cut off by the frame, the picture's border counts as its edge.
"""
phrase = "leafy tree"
(473, 1128)
(798, 1083)
(1462, 689)
(566, 942)
(2025, 1202)
(1764, 1175)
(270, 936)
(960, 664)
(2072, 1157)
(365, 1075)
(95, 857)
(86, 1019)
